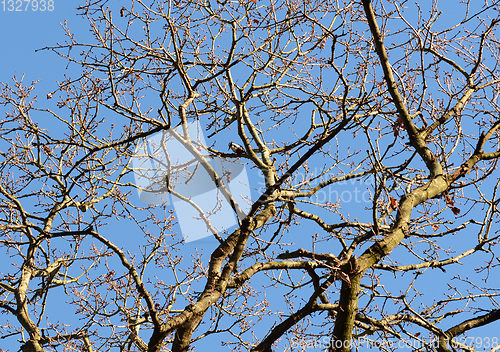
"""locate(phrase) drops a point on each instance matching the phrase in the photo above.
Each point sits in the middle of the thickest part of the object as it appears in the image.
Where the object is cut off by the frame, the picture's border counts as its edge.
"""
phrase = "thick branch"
(416, 138)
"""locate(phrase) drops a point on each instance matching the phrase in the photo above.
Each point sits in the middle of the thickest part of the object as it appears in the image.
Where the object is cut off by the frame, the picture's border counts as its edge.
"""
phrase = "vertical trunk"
(344, 324)
(182, 339)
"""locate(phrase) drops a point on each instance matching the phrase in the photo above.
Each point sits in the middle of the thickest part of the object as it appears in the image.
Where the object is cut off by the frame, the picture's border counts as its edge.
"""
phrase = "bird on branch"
(236, 148)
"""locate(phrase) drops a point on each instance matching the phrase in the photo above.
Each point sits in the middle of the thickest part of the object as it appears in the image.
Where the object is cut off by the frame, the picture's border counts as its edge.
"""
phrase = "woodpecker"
(236, 148)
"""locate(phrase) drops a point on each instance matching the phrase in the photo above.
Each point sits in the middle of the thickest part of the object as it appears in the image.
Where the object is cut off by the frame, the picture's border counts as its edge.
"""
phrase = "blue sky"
(25, 32)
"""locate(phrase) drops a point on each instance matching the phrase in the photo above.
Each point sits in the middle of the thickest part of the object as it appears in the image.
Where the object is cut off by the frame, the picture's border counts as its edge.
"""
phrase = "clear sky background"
(24, 32)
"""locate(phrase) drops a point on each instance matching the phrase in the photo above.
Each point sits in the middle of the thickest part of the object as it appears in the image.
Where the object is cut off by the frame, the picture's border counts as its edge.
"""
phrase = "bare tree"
(403, 97)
